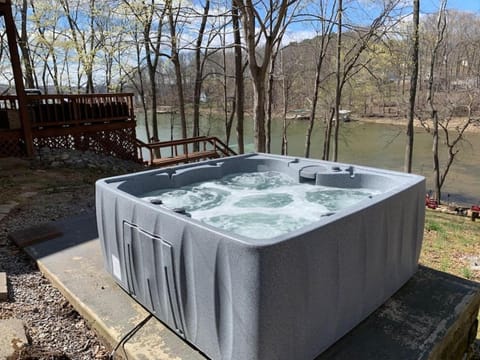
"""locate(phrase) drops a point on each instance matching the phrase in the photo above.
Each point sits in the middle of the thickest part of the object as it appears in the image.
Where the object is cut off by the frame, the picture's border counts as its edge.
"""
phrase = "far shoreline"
(472, 128)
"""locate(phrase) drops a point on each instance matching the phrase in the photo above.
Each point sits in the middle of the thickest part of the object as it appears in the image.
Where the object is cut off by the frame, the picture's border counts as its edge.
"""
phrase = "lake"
(361, 143)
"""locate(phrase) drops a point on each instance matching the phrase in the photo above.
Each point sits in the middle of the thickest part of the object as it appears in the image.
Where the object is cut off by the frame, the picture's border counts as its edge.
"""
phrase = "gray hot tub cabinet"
(287, 297)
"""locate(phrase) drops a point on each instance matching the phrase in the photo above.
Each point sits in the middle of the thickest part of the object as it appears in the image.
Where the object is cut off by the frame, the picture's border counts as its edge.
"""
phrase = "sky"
(300, 31)
(429, 6)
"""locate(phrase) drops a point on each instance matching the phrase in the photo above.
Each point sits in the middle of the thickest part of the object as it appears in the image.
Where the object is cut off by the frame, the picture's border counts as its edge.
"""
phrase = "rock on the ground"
(12, 338)
(55, 158)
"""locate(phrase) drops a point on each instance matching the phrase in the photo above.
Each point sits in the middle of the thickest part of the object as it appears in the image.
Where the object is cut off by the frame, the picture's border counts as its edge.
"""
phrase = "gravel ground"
(54, 329)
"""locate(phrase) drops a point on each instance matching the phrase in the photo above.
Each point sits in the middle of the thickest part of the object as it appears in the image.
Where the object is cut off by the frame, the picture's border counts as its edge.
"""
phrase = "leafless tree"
(150, 18)
(239, 82)
(441, 111)
(413, 87)
(29, 71)
(440, 32)
(82, 26)
(266, 21)
(351, 61)
(173, 14)
(199, 65)
(326, 16)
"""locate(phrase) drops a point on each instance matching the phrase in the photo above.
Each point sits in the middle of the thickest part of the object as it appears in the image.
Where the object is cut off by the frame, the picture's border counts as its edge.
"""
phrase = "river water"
(376, 145)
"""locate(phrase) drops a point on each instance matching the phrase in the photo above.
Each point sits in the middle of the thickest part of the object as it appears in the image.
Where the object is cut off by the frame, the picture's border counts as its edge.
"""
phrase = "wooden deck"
(104, 123)
(165, 153)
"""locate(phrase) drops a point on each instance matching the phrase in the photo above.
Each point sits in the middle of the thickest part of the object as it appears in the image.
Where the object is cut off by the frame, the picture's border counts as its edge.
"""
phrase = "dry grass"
(451, 244)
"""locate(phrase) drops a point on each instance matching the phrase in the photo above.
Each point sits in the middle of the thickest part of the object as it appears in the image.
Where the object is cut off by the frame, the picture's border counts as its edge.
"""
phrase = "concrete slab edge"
(468, 311)
(110, 338)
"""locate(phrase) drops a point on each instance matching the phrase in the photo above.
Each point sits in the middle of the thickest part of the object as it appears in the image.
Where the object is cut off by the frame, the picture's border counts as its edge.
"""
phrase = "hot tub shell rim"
(411, 181)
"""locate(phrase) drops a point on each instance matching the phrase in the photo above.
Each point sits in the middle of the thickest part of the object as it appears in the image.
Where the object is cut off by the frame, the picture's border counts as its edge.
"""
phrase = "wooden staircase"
(183, 150)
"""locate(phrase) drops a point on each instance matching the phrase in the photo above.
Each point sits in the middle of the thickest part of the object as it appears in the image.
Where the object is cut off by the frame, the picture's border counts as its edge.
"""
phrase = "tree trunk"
(436, 161)
(338, 86)
(178, 70)
(153, 88)
(328, 135)
(23, 44)
(313, 110)
(285, 109)
(272, 27)
(180, 94)
(441, 25)
(413, 89)
(239, 83)
(259, 112)
(268, 137)
(197, 91)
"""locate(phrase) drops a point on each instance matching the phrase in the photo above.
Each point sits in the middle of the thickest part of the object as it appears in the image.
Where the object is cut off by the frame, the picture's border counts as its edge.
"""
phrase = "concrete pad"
(3, 286)
(12, 338)
(73, 263)
(430, 317)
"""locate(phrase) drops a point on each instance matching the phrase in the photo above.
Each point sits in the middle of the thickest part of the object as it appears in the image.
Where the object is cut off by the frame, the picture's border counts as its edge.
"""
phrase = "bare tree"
(338, 83)
(351, 61)
(413, 87)
(173, 17)
(270, 89)
(50, 55)
(441, 118)
(325, 18)
(441, 25)
(82, 26)
(268, 24)
(203, 51)
(239, 83)
(199, 65)
(135, 74)
(29, 72)
(151, 20)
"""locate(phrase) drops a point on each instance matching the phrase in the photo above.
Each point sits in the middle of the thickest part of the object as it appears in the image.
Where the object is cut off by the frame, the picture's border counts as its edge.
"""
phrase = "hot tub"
(286, 294)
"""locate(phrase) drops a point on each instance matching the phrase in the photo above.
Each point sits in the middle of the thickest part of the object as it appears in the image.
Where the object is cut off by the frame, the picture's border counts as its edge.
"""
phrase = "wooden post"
(6, 11)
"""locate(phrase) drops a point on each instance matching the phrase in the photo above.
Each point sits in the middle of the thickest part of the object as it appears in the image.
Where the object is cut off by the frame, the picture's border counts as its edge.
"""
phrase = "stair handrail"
(224, 148)
(218, 145)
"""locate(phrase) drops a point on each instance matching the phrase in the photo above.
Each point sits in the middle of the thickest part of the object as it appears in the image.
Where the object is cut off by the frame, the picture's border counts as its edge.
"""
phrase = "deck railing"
(104, 123)
(67, 110)
(163, 153)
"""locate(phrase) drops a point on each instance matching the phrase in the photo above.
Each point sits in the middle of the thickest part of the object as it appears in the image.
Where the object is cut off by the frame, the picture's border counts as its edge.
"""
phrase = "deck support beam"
(6, 11)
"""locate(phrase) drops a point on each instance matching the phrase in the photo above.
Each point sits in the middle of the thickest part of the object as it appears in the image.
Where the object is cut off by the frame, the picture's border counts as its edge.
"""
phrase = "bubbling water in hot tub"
(259, 205)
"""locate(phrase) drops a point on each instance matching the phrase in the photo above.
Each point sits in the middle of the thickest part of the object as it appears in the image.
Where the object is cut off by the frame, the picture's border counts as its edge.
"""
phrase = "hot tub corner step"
(34, 235)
